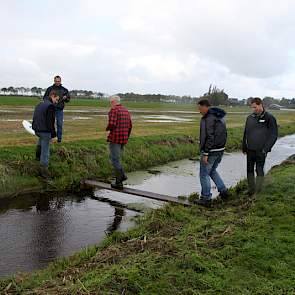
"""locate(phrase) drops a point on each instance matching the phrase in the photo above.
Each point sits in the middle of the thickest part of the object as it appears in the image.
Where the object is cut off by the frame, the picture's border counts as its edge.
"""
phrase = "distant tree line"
(269, 101)
(215, 95)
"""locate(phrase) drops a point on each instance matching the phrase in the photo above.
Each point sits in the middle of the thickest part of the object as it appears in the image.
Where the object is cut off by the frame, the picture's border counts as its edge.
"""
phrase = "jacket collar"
(259, 116)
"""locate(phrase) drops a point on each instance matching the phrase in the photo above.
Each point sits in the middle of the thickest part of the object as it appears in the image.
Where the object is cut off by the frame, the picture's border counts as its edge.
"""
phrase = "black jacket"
(63, 94)
(261, 132)
(213, 132)
(44, 118)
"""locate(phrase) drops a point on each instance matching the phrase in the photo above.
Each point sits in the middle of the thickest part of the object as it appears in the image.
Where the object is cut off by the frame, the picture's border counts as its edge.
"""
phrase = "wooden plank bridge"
(136, 192)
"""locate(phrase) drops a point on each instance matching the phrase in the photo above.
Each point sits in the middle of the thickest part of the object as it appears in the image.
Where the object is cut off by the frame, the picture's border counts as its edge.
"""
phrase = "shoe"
(224, 195)
(259, 183)
(117, 185)
(44, 172)
(124, 177)
(250, 193)
(59, 141)
(204, 202)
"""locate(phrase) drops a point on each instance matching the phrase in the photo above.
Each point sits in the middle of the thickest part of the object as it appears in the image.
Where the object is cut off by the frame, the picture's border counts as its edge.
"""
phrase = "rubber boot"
(123, 176)
(117, 184)
(259, 183)
(44, 172)
(251, 184)
(38, 152)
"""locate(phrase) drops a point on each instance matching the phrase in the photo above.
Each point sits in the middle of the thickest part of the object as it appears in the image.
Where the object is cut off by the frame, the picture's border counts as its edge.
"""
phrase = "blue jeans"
(59, 115)
(44, 142)
(116, 151)
(208, 172)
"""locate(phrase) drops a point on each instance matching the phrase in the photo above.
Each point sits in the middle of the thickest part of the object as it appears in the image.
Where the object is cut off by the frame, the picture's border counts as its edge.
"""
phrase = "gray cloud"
(177, 47)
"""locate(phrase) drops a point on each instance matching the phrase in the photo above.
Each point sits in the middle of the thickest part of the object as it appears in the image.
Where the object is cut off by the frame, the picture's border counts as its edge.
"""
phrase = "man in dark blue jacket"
(64, 96)
(213, 137)
(43, 125)
(261, 133)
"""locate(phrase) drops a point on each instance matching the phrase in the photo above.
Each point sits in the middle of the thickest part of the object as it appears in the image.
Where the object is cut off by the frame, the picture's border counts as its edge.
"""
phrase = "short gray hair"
(116, 98)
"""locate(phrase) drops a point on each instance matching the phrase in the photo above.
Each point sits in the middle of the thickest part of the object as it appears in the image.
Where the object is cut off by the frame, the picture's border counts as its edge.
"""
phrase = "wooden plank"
(136, 192)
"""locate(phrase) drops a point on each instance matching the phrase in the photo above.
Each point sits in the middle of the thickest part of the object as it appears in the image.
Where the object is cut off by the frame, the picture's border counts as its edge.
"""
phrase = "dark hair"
(53, 93)
(256, 100)
(57, 77)
(204, 102)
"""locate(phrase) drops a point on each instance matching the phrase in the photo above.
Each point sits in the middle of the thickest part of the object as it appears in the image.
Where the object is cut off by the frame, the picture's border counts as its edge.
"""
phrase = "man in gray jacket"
(261, 133)
(213, 137)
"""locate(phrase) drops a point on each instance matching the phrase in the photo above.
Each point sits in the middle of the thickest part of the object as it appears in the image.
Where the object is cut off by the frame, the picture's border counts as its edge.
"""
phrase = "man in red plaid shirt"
(119, 128)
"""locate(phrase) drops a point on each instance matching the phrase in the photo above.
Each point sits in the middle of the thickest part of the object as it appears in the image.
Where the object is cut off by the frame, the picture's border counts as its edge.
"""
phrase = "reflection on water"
(37, 231)
(182, 177)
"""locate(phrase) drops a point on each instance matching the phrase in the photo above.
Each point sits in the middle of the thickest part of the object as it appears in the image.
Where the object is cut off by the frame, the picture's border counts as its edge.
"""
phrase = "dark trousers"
(255, 161)
(59, 115)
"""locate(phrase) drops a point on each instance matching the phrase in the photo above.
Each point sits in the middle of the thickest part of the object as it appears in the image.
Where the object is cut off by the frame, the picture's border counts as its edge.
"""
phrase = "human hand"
(205, 160)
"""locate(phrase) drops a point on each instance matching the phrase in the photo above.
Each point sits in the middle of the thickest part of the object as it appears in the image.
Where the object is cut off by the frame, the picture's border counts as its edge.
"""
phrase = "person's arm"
(210, 129)
(46, 94)
(112, 120)
(51, 121)
(130, 127)
(66, 96)
(273, 134)
(244, 144)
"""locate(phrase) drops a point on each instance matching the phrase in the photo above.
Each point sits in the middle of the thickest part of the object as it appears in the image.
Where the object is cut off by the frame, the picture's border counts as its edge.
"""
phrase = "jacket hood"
(219, 113)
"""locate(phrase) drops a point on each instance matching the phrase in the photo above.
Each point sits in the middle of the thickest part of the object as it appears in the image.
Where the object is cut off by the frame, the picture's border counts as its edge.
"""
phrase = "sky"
(245, 47)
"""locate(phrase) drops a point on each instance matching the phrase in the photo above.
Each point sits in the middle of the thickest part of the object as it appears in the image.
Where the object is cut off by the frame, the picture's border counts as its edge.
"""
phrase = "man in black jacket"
(213, 137)
(261, 133)
(43, 125)
(64, 96)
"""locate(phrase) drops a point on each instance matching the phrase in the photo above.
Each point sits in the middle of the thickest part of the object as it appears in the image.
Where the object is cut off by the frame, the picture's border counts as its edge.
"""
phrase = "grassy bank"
(244, 246)
(72, 162)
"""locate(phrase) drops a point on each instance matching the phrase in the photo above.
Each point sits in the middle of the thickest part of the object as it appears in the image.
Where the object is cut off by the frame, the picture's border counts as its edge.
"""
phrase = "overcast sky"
(245, 47)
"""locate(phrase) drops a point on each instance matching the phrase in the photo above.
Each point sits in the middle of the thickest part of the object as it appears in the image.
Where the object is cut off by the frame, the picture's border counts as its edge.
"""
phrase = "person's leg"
(260, 162)
(59, 114)
(205, 170)
(115, 153)
(251, 160)
(216, 159)
(45, 149)
(38, 150)
(123, 175)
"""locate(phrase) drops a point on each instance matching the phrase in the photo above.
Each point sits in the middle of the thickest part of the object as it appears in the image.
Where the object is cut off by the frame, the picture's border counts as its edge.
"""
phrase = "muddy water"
(36, 230)
(181, 177)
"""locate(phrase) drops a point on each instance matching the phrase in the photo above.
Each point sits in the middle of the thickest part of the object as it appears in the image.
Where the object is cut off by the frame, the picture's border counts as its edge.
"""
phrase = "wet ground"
(36, 230)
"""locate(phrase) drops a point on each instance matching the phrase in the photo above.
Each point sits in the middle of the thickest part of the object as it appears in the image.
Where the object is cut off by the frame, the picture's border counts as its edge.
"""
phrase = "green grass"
(31, 101)
(243, 246)
(71, 162)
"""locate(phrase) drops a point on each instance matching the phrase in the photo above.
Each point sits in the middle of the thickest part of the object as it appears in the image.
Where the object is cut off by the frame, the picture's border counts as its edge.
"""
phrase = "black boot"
(259, 183)
(251, 184)
(38, 152)
(117, 185)
(204, 202)
(123, 175)
(224, 195)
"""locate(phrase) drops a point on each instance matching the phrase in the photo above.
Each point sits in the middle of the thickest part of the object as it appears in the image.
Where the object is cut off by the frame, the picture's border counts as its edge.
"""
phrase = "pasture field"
(87, 119)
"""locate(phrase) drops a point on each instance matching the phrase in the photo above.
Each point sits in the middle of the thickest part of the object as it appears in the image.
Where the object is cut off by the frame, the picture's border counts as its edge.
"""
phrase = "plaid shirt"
(120, 125)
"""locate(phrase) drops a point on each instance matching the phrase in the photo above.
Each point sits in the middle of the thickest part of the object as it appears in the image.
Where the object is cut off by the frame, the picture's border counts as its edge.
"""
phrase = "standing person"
(213, 137)
(260, 134)
(119, 127)
(64, 96)
(43, 125)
